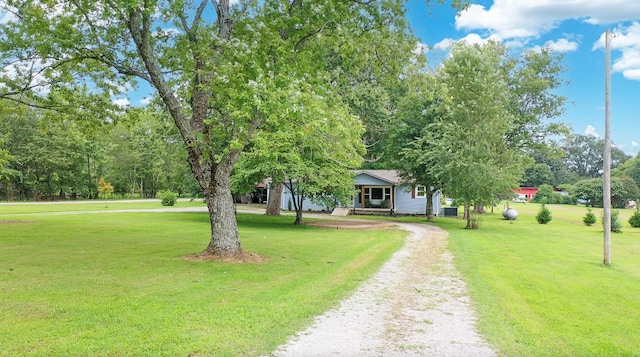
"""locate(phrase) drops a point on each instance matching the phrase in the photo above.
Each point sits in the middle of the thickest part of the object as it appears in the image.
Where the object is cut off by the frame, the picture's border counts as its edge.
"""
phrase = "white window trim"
(424, 191)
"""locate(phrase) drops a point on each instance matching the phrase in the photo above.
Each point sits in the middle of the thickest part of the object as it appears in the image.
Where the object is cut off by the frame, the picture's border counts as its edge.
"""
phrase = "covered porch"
(375, 197)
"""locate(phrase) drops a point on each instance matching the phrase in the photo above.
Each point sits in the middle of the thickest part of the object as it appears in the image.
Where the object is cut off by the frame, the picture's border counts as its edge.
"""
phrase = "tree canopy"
(482, 110)
(224, 72)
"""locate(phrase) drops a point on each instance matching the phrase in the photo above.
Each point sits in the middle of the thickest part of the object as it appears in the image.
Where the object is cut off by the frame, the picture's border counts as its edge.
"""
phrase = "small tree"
(616, 225)
(104, 189)
(544, 215)
(168, 198)
(589, 219)
(634, 221)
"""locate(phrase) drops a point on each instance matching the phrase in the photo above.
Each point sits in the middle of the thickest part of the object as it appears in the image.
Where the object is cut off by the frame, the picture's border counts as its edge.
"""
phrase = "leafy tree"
(465, 147)
(545, 194)
(536, 175)
(548, 156)
(634, 220)
(416, 110)
(104, 189)
(46, 154)
(592, 190)
(631, 191)
(584, 155)
(533, 79)
(313, 161)
(221, 70)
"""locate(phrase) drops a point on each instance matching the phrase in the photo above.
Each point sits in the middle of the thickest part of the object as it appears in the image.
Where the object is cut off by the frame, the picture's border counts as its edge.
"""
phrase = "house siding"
(405, 204)
(306, 204)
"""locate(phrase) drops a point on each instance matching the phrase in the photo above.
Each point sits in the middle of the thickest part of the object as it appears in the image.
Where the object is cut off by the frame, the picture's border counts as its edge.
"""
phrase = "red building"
(526, 193)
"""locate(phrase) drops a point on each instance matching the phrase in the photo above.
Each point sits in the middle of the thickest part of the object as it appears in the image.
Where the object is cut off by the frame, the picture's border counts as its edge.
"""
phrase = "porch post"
(393, 197)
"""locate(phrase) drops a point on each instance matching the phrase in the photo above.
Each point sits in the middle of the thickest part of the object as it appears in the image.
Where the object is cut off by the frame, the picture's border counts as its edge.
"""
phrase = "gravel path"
(416, 305)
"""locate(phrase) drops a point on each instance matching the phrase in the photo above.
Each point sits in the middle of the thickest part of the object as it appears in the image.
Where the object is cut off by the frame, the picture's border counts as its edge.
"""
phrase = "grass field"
(541, 290)
(115, 284)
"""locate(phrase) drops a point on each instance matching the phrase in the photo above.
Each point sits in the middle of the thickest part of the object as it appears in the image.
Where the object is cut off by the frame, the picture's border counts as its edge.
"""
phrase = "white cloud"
(146, 100)
(634, 144)
(526, 18)
(472, 39)
(626, 39)
(559, 46)
(562, 45)
(121, 102)
(523, 20)
(591, 131)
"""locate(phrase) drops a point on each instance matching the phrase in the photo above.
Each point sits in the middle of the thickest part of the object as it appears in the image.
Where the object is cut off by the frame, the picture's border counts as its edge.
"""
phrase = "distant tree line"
(49, 156)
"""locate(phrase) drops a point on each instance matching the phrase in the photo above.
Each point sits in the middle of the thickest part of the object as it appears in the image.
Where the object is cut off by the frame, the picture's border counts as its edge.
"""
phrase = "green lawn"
(115, 284)
(541, 290)
(83, 206)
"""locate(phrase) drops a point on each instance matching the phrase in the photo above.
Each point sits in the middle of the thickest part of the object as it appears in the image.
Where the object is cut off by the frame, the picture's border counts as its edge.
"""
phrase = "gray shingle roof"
(390, 176)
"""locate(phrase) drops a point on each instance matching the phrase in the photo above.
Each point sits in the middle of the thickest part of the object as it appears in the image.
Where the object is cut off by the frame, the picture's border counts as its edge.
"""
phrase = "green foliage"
(592, 190)
(616, 224)
(230, 76)
(465, 126)
(583, 155)
(537, 175)
(544, 215)
(168, 198)
(634, 220)
(456, 202)
(546, 194)
(589, 218)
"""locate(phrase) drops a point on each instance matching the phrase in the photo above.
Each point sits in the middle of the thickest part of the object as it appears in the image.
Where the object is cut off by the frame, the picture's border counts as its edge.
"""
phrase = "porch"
(375, 198)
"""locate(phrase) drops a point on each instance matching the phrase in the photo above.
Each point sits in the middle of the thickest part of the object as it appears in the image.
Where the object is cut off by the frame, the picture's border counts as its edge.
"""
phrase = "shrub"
(616, 225)
(634, 221)
(168, 198)
(589, 218)
(544, 215)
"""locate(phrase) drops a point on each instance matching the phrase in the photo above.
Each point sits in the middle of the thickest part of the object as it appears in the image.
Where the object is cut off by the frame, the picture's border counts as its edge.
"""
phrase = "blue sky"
(574, 28)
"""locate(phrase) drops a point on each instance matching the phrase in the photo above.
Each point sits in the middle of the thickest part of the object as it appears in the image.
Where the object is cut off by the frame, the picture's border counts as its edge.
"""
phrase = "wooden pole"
(606, 202)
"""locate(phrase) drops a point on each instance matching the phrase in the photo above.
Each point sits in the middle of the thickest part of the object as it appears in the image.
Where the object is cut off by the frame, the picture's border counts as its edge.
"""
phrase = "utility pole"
(606, 202)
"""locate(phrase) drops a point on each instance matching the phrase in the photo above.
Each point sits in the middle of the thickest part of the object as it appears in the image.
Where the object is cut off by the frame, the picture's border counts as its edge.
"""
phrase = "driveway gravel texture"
(416, 305)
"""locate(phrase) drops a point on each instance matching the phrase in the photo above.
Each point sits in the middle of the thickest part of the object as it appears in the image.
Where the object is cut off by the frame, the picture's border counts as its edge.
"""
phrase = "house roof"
(390, 176)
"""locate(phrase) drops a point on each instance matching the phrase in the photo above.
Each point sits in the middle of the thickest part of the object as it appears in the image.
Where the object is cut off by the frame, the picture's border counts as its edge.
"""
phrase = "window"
(374, 196)
(420, 191)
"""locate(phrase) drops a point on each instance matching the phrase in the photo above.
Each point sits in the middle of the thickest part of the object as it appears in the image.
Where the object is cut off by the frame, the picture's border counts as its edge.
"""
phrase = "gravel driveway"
(416, 305)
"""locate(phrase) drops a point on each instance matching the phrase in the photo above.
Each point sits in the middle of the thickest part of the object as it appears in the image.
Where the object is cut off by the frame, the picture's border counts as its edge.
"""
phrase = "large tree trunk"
(225, 240)
(467, 214)
(212, 174)
(275, 197)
